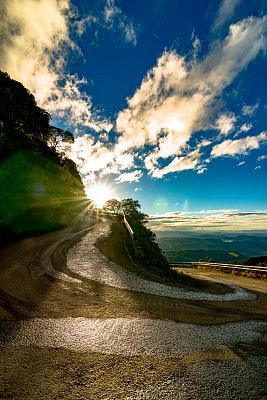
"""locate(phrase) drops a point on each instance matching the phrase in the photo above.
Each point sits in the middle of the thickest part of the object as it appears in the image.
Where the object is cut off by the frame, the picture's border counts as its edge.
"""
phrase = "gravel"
(233, 379)
(228, 380)
(97, 267)
(44, 265)
(128, 336)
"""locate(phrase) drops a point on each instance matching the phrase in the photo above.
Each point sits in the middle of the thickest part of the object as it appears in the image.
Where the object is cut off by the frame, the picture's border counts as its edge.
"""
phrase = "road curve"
(225, 378)
(95, 266)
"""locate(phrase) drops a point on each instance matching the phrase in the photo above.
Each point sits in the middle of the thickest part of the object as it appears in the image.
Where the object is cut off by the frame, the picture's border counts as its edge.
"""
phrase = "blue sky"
(166, 99)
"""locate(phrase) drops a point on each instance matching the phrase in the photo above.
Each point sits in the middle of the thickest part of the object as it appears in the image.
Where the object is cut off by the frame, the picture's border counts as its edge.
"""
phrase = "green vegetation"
(143, 247)
(260, 261)
(40, 187)
(204, 255)
(140, 252)
(245, 245)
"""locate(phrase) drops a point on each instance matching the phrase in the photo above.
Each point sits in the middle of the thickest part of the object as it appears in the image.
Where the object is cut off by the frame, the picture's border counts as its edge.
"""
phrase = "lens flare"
(100, 194)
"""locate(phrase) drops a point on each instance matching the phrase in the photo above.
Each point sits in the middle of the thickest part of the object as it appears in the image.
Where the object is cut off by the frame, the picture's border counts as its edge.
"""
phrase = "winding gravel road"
(97, 267)
(204, 380)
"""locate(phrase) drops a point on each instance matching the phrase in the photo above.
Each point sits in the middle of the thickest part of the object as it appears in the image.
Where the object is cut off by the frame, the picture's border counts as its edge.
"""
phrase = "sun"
(100, 194)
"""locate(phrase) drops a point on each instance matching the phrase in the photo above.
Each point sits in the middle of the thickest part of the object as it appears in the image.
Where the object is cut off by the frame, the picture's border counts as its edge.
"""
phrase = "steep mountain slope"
(39, 186)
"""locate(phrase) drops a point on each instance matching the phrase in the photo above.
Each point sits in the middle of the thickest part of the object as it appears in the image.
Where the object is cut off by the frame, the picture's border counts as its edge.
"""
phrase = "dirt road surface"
(75, 325)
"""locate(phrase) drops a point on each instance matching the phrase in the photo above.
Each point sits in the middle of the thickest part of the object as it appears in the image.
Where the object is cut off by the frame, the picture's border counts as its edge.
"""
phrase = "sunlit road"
(215, 369)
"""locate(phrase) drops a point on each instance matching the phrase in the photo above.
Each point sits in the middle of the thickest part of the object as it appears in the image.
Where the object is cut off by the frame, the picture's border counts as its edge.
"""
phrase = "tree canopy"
(57, 137)
(39, 186)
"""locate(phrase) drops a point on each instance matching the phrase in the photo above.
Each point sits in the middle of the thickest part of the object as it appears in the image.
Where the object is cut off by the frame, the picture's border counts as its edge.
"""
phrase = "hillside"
(247, 246)
(262, 260)
(195, 255)
(40, 187)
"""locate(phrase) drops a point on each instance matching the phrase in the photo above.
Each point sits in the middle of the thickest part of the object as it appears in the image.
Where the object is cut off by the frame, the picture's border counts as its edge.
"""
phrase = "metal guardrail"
(230, 266)
(128, 226)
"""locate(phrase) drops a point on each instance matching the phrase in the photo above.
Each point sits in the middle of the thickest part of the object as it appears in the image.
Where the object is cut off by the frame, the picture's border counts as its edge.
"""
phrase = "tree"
(57, 137)
(24, 125)
(39, 188)
(145, 239)
(131, 208)
(113, 205)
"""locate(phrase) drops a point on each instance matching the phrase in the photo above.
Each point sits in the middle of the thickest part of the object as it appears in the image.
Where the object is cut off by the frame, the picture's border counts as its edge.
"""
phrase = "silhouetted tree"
(57, 137)
(113, 205)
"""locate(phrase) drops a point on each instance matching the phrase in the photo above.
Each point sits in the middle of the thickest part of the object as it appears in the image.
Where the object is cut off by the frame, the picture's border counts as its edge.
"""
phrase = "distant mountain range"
(205, 255)
(220, 249)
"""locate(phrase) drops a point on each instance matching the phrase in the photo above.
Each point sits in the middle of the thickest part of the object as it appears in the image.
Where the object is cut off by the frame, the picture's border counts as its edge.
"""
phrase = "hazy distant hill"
(247, 246)
(194, 255)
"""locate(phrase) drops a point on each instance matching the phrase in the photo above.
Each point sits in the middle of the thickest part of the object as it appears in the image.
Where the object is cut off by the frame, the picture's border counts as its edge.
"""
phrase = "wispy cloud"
(81, 25)
(210, 220)
(240, 146)
(129, 176)
(201, 170)
(246, 127)
(116, 20)
(176, 98)
(35, 46)
(225, 123)
(94, 156)
(250, 110)
(178, 164)
(226, 11)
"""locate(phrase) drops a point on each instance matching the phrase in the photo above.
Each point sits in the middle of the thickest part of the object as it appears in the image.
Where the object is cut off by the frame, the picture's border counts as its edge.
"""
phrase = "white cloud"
(225, 123)
(201, 170)
(96, 157)
(35, 46)
(225, 12)
(176, 99)
(241, 163)
(81, 25)
(178, 164)
(240, 146)
(129, 176)
(89, 179)
(89, 156)
(116, 20)
(204, 143)
(262, 158)
(249, 110)
(246, 127)
(217, 211)
(258, 167)
(210, 220)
